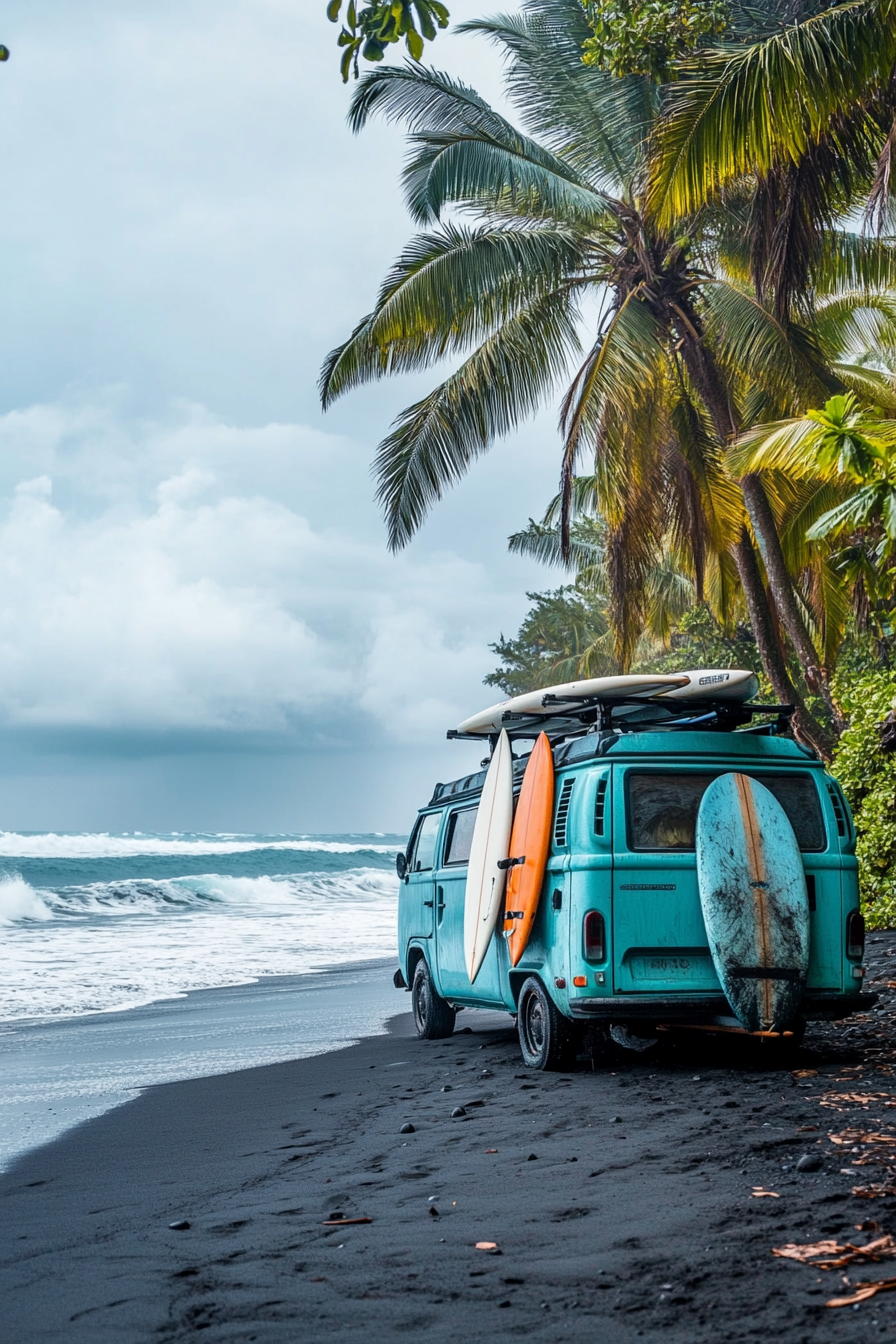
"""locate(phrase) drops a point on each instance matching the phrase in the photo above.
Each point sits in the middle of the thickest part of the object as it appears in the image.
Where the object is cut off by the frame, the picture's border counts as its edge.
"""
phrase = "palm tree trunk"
(707, 378)
(782, 589)
(805, 727)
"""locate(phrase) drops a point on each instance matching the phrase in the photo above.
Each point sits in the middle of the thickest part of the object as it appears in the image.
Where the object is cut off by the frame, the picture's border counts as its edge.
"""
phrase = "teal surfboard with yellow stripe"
(754, 901)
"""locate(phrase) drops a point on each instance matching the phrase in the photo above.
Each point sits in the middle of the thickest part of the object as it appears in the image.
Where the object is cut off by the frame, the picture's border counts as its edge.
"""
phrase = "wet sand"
(56, 1074)
(620, 1196)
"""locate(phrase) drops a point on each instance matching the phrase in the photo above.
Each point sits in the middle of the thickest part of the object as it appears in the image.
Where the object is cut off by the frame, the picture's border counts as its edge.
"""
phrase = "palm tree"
(796, 128)
(562, 240)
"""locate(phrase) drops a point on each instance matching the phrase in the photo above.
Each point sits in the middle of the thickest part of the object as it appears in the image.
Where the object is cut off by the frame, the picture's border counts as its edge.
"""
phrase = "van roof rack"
(634, 715)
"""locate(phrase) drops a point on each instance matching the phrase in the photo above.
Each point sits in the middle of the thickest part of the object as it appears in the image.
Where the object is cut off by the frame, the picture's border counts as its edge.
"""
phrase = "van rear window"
(460, 835)
(662, 808)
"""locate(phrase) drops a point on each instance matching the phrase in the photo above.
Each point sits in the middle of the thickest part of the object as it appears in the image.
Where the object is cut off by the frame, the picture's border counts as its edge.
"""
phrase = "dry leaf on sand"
(863, 1292)
(834, 1255)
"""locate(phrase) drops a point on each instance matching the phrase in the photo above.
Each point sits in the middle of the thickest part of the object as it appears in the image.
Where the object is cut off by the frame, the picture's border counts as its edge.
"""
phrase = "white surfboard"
(714, 683)
(491, 720)
(489, 846)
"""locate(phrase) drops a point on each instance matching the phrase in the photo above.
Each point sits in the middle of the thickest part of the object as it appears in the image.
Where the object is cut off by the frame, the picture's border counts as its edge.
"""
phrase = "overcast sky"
(200, 624)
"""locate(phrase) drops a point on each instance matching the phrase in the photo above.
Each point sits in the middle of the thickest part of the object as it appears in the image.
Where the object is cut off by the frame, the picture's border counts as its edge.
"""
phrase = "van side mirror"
(401, 864)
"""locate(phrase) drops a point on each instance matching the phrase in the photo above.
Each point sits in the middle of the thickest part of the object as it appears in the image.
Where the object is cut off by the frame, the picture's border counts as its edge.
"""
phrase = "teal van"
(619, 938)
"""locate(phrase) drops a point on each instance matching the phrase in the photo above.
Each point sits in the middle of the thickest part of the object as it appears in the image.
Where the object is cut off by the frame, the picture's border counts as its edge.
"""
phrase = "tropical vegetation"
(685, 247)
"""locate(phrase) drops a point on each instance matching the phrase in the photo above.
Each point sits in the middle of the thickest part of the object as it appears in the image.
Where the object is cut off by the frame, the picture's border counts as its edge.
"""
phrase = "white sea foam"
(62, 955)
(19, 901)
(106, 846)
(51, 846)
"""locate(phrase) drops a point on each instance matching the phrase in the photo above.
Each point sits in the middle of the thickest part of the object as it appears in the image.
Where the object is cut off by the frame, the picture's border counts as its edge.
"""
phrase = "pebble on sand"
(180, 1226)
(447, 1088)
(533, 1157)
(458, 1113)
(809, 1162)
(407, 1128)
(433, 1210)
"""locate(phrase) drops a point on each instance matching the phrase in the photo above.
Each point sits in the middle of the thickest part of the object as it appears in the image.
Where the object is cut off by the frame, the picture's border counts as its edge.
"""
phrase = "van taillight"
(855, 935)
(595, 936)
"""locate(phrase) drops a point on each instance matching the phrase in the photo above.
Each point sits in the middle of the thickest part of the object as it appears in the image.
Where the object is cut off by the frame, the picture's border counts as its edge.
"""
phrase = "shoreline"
(61, 1072)
(621, 1197)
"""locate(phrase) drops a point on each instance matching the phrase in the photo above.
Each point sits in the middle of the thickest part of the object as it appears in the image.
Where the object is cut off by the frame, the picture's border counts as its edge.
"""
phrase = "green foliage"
(647, 37)
(367, 32)
(699, 641)
(868, 775)
(565, 635)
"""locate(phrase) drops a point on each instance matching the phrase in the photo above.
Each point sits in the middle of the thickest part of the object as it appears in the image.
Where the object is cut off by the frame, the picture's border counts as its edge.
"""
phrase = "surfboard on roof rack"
(552, 705)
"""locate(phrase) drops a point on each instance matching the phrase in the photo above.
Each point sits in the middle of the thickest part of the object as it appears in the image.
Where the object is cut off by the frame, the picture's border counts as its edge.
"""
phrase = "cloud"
(167, 596)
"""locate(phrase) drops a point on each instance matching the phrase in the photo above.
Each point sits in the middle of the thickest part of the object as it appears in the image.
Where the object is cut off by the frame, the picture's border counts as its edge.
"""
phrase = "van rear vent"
(600, 806)
(563, 813)
(837, 804)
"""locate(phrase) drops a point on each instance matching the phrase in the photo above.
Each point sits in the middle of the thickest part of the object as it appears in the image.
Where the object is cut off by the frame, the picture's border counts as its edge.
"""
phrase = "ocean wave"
(103, 947)
(22, 903)
(19, 901)
(51, 845)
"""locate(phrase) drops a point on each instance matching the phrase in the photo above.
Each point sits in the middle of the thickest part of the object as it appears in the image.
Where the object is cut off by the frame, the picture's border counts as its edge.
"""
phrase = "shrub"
(868, 776)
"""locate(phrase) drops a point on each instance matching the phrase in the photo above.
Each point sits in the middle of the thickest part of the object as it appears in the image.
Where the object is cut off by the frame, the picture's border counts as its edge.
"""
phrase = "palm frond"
(448, 290)
(781, 359)
(433, 442)
(750, 109)
(462, 150)
(460, 168)
(593, 120)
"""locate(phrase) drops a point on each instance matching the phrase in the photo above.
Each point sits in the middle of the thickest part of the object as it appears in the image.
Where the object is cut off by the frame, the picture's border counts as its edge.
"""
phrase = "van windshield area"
(662, 808)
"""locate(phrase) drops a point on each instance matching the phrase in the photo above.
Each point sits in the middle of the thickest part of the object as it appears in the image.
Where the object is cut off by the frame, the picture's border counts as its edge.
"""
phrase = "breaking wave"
(82, 945)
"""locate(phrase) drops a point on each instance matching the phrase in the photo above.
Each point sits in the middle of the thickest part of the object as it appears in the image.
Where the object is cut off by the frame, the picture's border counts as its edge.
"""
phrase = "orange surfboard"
(530, 841)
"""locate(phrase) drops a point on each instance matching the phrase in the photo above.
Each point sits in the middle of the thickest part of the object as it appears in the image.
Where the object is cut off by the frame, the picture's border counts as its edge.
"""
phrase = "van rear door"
(659, 940)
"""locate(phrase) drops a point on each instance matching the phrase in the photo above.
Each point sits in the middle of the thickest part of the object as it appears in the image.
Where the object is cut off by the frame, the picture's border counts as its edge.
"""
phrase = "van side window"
(460, 835)
(662, 808)
(424, 852)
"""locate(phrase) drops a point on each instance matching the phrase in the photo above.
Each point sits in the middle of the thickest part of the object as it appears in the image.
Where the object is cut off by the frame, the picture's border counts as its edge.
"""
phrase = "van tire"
(548, 1040)
(433, 1016)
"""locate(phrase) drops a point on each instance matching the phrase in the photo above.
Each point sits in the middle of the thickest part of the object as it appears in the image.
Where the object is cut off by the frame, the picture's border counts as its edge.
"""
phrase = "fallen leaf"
(345, 1222)
(486, 1245)
(832, 1099)
(804, 1073)
(805, 1252)
(831, 1254)
(491, 1150)
(863, 1292)
(765, 1194)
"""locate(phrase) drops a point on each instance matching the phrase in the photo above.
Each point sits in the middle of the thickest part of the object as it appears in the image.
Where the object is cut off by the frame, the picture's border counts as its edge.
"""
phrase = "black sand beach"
(621, 1197)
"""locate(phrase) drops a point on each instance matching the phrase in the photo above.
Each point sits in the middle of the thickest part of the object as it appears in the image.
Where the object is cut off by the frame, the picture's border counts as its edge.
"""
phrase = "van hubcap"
(535, 1026)
(420, 1003)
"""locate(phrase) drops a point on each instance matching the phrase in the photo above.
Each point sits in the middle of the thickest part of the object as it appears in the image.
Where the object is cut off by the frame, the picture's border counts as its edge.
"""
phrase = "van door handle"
(429, 903)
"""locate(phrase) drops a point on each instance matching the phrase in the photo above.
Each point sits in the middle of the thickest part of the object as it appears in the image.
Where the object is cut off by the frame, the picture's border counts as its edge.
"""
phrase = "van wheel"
(548, 1040)
(433, 1017)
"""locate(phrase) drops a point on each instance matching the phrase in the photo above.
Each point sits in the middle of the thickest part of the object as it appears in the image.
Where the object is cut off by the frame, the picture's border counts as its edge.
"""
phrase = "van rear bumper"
(817, 1006)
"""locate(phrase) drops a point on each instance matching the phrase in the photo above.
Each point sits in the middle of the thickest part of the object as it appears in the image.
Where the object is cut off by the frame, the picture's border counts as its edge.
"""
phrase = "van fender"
(557, 995)
(415, 953)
